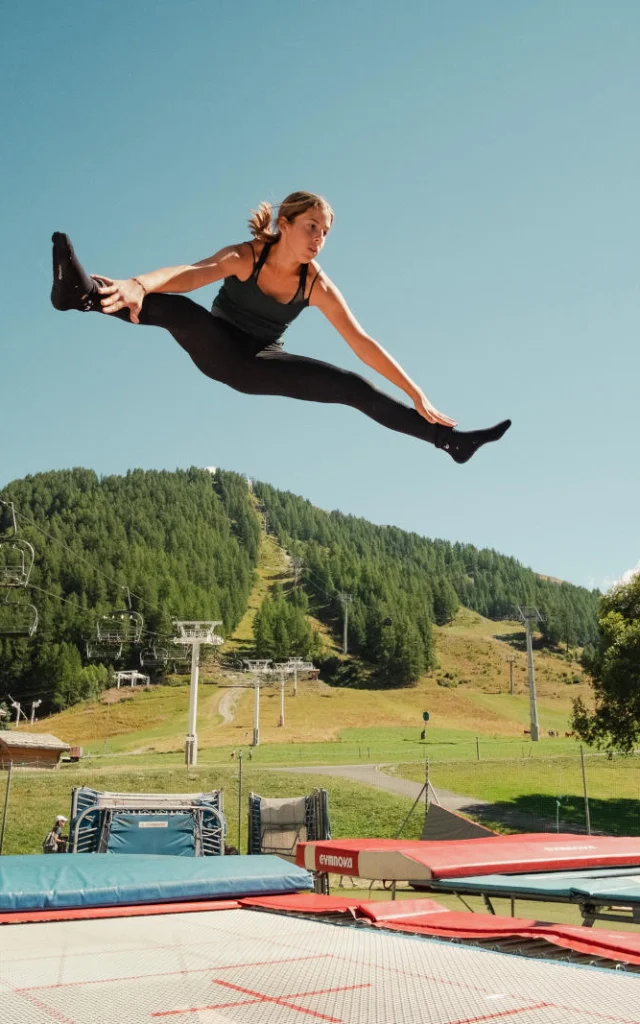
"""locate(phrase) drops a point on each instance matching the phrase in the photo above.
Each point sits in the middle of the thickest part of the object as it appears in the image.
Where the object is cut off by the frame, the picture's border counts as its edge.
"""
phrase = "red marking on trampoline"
(49, 1010)
(168, 974)
(260, 997)
(501, 1013)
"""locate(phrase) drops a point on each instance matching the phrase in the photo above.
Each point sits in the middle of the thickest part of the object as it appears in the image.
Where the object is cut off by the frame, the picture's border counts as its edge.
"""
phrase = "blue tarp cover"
(172, 834)
(42, 882)
(615, 883)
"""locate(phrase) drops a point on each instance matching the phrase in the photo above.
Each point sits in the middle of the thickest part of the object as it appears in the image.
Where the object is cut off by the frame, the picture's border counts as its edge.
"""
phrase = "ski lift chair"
(120, 627)
(16, 562)
(154, 657)
(18, 617)
(100, 651)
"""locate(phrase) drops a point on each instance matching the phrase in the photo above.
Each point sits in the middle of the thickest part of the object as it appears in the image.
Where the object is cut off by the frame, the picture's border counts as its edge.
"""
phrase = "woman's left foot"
(72, 287)
(462, 444)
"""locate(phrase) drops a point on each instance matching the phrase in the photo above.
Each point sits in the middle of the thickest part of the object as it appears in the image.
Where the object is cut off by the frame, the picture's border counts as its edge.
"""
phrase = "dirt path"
(372, 775)
(228, 703)
(480, 810)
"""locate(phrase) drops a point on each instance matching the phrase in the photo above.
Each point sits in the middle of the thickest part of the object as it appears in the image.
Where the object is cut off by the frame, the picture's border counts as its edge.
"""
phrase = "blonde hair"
(262, 219)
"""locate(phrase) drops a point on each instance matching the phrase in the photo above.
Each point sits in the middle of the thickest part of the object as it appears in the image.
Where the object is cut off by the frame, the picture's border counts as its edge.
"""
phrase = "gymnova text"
(330, 860)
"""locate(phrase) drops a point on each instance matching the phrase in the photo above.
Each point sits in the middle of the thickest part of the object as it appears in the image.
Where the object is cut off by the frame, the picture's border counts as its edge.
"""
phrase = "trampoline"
(179, 824)
(243, 966)
(604, 894)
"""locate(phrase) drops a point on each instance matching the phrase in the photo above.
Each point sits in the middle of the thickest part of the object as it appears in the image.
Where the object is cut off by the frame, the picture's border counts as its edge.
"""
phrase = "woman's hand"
(116, 295)
(430, 413)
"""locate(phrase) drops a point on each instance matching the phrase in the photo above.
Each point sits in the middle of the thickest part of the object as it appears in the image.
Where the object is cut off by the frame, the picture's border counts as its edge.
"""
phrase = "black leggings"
(229, 355)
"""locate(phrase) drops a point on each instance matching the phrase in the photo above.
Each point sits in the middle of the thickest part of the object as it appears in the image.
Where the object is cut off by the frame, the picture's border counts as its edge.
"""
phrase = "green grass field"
(35, 797)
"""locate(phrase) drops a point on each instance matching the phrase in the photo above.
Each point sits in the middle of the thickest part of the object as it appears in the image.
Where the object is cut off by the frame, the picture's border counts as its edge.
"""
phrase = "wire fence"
(583, 793)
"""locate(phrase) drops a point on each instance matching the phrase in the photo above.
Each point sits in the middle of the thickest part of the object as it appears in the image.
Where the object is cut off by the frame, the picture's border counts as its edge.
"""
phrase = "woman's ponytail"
(260, 224)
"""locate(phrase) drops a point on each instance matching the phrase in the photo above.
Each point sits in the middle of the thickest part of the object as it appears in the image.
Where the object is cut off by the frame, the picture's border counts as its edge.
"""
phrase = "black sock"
(462, 444)
(72, 287)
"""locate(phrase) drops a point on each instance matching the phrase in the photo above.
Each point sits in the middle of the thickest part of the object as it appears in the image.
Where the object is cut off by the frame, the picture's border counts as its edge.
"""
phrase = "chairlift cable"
(55, 540)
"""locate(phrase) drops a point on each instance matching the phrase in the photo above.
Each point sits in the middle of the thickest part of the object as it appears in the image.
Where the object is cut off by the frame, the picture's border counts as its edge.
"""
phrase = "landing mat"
(40, 882)
(403, 860)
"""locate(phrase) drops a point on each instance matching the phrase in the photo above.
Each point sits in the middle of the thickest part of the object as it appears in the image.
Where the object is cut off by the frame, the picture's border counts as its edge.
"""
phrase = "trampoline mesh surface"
(246, 967)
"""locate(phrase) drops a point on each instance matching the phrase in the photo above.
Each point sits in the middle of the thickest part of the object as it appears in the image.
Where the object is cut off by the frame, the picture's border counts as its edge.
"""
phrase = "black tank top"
(244, 305)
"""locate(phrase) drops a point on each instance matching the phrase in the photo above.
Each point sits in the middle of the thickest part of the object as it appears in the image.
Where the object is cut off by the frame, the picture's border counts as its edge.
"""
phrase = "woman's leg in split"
(292, 376)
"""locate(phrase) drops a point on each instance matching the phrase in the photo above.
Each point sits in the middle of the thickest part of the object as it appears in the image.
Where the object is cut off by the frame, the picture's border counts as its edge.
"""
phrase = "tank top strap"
(304, 270)
(257, 267)
(299, 296)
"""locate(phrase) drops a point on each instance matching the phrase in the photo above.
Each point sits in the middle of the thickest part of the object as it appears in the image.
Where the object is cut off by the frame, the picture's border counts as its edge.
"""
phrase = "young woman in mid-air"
(266, 284)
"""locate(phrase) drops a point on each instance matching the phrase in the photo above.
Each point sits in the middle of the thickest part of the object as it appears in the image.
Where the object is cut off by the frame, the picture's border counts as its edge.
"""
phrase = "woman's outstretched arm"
(227, 262)
(332, 304)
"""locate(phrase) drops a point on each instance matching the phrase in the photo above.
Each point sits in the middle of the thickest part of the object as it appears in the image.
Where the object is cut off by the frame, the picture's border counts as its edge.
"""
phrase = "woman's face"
(305, 236)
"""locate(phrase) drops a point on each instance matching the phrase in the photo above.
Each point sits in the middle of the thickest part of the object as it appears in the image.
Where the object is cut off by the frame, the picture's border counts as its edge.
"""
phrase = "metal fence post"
(239, 801)
(6, 804)
(587, 814)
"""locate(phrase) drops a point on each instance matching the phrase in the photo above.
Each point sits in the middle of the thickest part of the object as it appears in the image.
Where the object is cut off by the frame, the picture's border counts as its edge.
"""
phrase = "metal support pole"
(281, 722)
(191, 744)
(295, 681)
(239, 801)
(256, 716)
(511, 660)
(6, 804)
(533, 706)
(587, 813)
(345, 600)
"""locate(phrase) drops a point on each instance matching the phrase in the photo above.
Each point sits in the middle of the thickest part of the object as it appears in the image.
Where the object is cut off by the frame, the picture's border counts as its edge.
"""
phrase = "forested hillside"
(173, 545)
(400, 583)
(186, 545)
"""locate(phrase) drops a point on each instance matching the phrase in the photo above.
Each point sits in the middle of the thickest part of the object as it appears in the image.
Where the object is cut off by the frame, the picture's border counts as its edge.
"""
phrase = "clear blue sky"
(483, 161)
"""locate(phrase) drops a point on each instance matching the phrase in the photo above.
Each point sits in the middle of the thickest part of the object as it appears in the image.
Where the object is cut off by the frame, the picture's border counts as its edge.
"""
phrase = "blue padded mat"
(43, 882)
(616, 883)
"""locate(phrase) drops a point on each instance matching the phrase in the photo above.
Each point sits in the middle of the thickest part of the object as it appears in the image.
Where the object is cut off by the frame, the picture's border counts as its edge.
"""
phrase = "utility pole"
(527, 616)
(345, 600)
(511, 659)
(34, 704)
(195, 634)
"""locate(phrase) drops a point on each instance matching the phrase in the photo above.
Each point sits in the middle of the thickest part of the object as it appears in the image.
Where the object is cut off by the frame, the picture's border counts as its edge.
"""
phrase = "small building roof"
(35, 740)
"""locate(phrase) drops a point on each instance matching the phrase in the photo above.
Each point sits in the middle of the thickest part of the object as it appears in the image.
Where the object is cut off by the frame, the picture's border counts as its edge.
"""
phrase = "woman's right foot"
(462, 444)
(72, 287)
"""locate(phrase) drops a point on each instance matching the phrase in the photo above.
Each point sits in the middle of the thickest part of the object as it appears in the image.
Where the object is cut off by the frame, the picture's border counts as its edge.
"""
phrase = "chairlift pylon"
(18, 617)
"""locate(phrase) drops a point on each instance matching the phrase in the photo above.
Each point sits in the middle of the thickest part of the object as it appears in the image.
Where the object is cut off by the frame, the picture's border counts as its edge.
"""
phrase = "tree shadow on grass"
(538, 812)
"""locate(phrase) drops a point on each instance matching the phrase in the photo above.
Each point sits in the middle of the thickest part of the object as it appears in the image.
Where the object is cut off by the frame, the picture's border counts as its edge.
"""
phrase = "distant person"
(55, 841)
(267, 283)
